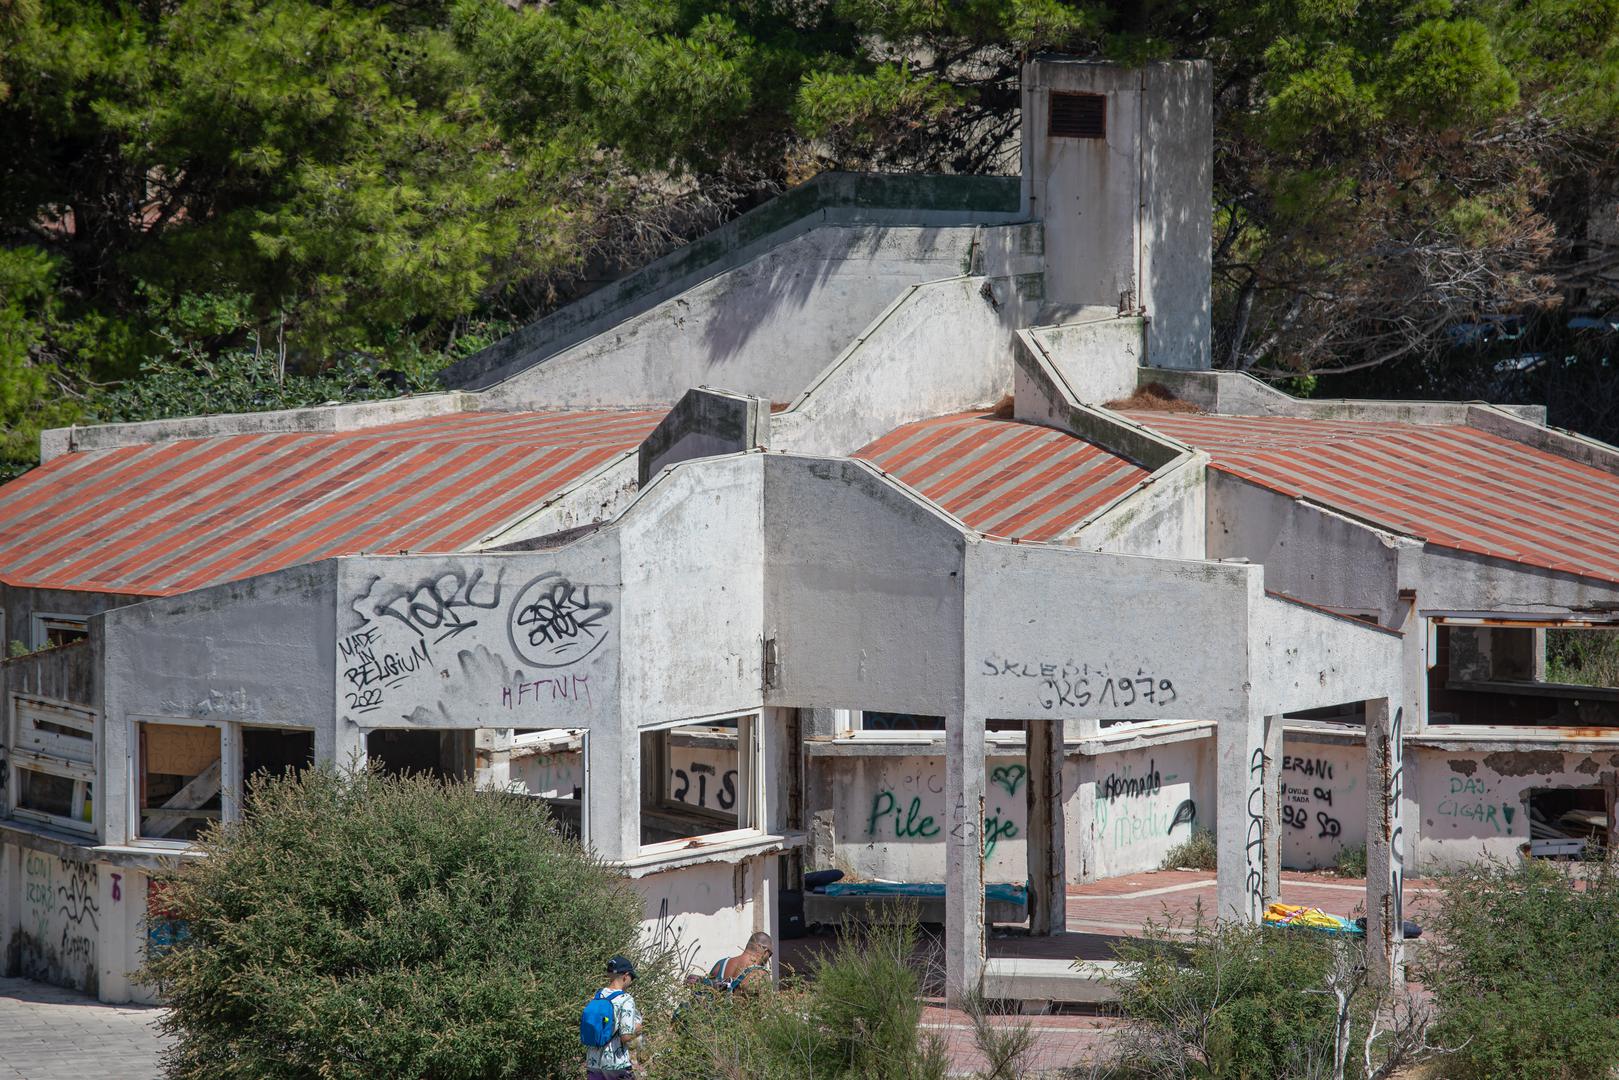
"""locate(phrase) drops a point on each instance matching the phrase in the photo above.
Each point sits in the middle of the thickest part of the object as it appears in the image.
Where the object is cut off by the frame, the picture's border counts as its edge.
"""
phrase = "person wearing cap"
(612, 1061)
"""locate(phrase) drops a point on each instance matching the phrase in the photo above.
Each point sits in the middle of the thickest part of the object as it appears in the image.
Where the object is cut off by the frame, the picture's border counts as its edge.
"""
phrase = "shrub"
(859, 1015)
(1196, 852)
(1352, 861)
(1527, 980)
(1227, 1001)
(357, 926)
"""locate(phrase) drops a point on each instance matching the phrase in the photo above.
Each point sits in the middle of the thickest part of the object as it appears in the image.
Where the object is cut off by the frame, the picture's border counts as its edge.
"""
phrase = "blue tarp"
(922, 890)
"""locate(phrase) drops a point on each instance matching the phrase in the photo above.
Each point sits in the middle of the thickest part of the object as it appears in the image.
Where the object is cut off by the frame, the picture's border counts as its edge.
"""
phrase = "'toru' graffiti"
(1070, 684)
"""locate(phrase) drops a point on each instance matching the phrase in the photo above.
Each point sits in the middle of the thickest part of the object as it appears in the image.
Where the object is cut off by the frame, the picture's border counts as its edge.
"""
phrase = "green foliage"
(1528, 980)
(364, 926)
(1583, 657)
(1197, 852)
(1226, 1001)
(857, 1016)
(1352, 860)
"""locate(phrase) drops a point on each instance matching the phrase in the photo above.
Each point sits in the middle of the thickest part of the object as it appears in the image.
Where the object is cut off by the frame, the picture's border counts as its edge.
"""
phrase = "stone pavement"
(52, 1034)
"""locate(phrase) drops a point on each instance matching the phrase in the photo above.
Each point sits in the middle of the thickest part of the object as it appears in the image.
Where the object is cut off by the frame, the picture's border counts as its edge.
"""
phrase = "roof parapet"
(1236, 393)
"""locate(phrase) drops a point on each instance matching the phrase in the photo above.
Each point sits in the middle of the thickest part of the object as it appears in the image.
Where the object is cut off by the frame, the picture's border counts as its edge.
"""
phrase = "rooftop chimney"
(1117, 163)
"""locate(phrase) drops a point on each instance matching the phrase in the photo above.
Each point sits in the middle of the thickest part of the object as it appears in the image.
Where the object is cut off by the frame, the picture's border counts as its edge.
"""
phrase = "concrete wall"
(56, 935)
(826, 200)
(1097, 357)
(1304, 658)
(1323, 800)
(20, 604)
(890, 815)
(1133, 806)
(256, 651)
(941, 347)
(766, 328)
(1165, 518)
(1234, 393)
(1474, 803)
(1309, 552)
(864, 591)
(707, 912)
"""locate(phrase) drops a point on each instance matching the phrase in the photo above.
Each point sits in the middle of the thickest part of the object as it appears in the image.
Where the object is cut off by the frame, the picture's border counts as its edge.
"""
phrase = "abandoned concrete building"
(899, 527)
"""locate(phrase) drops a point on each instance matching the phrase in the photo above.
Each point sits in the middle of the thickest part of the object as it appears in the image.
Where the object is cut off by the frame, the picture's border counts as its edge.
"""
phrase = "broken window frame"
(230, 781)
(749, 787)
(54, 754)
(44, 622)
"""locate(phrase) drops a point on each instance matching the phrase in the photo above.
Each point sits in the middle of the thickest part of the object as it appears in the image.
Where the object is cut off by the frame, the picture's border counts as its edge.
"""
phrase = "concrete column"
(1240, 831)
(964, 855)
(1047, 836)
(1273, 808)
(1385, 842)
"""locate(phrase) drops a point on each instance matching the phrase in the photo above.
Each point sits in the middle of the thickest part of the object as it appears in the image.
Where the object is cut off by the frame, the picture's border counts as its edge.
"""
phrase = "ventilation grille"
(1078, 116)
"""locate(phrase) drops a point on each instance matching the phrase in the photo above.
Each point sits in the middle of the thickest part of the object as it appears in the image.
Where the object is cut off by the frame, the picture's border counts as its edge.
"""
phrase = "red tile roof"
(1452, 486)
(165, 517)
(1003, 477)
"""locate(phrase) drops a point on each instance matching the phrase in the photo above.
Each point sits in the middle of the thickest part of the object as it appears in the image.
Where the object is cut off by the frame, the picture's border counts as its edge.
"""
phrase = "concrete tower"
(1118, 164)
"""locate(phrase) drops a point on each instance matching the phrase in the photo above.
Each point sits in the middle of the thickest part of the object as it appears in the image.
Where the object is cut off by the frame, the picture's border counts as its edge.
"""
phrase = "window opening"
(53, 630)
(695, 780)
(1568, 822)
(53, 762)
(1524, 676)
(181, 780)
(549, 764)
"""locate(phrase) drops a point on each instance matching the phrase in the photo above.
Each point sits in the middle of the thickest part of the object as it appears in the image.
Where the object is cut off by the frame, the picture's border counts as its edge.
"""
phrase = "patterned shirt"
(627, 1021)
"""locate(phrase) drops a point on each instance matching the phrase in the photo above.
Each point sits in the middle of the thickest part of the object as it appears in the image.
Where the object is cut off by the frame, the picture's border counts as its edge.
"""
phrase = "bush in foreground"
(1527, 978)
(361, 926)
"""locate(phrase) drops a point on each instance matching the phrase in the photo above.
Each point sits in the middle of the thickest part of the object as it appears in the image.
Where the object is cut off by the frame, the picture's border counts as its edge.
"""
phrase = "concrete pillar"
(1273, 809)
(1047, 835)
(1240, 831)
(964, 855)
(1385, 842)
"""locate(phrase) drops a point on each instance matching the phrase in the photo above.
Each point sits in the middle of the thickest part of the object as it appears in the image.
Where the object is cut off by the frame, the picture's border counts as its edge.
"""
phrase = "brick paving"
(48, 1033)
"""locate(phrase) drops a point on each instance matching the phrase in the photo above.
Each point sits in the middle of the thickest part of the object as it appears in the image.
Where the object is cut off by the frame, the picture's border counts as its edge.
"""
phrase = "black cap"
(620, 965)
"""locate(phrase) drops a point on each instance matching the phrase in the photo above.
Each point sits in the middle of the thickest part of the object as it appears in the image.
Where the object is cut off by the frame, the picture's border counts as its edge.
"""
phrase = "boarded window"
(1078, 116)
(53, 762)
(180, 780)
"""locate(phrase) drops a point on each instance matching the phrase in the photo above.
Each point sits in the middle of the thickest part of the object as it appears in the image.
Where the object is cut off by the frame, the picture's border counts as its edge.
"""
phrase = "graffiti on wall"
(1395, 751)
(502, 644)
(1308, 795)
(1072, 684)
(1132, 809)
(1470, 799)
(1254, 848)
(908, 804)
(60, 920)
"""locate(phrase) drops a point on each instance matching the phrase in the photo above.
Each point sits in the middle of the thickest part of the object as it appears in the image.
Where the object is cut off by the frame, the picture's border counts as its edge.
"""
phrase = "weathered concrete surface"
(826, 200)
(1235, 393)
(1097, 357)
(1128, 217)
(350, 417)
(704, 423)
(942, 347)
(765, 328)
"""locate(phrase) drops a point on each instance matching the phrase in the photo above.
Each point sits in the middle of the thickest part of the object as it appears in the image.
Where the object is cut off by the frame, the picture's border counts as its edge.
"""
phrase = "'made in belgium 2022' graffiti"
(490, 629)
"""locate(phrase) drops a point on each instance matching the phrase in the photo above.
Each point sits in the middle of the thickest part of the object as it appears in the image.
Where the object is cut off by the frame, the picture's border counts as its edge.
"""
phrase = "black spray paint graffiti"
(1308, 766)
(1254, 850)
(1130, 787)
(725, 793)
(79, 904)
(1396, 788)
(1072, 685)
(440, 606)
(370, 673)
(1185, 814)
(555, 623)
(1297, 817)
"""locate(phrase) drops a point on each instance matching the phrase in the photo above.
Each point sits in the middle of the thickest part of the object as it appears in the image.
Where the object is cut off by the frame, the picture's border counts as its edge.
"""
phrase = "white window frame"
(749, 786)
(55, 755)
(230, 775)
(44, 621)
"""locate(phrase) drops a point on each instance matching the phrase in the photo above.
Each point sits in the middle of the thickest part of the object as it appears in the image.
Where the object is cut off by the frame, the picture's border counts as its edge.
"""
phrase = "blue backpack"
(599, 1023)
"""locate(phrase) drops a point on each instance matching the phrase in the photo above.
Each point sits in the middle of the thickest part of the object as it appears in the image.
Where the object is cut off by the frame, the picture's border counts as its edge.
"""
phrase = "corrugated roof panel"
(165, 517)
(1449, 485)
(1003, 477)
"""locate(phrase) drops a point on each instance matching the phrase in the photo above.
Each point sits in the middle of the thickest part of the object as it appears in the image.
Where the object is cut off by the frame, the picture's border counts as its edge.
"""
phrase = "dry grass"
(1154, 397)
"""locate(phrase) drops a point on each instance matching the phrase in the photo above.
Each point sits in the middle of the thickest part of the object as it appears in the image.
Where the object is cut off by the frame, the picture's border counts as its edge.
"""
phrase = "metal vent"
(1078, 116)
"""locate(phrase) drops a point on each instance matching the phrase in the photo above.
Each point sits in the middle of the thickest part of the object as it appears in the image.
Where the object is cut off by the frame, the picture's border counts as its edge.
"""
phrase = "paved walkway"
(52, 1034)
